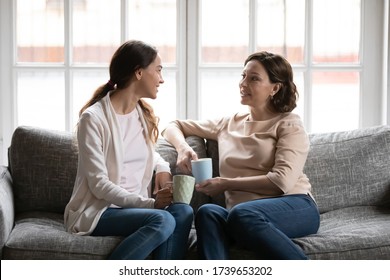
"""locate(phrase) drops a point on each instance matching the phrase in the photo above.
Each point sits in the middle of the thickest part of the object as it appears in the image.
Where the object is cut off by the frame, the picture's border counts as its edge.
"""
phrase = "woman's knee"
(183, 213)
(242, 215)
(210, 212)
(163, 222)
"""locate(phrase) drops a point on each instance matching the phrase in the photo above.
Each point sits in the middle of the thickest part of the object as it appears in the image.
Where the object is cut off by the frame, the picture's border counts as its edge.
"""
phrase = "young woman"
(261, 158)
(116, 134)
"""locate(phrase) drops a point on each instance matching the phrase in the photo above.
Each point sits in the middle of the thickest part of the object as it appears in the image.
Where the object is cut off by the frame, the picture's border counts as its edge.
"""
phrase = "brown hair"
(279, 71)
(127, 59)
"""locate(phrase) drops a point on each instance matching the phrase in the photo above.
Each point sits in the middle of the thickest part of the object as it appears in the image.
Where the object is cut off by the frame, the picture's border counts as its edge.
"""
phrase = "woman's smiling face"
(152, 78)
(255, 85)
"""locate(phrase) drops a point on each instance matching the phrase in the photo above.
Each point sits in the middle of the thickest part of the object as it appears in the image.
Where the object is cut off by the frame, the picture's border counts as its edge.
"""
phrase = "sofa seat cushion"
(361, 232)
(40, 235)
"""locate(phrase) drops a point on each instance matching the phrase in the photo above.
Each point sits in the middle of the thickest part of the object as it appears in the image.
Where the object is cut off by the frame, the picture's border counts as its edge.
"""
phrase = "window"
(324, 51)
(58, 53)
(63, 49)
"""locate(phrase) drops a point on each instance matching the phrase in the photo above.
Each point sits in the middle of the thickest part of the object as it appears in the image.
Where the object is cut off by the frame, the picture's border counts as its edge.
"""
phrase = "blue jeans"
(264, 226)
(163, 233)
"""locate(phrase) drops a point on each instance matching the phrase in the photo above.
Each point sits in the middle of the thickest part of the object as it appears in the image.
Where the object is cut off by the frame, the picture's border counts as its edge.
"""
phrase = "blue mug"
(202, 169)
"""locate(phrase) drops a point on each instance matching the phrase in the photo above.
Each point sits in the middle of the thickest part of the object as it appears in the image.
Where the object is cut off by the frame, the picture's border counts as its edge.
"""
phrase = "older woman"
(261, 156)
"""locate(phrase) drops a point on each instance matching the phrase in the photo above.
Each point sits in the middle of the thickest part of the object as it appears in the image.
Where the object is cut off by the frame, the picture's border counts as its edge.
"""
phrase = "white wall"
(6, 118)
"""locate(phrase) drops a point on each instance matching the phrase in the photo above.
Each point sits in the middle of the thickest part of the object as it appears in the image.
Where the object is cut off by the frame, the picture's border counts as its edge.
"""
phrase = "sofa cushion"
(360, 232)
(350, 168)
(41, 235)
(43, 164)
(168, 152)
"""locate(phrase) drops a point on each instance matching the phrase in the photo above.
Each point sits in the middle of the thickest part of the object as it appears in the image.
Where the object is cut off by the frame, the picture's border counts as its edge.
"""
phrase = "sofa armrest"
(7, 213)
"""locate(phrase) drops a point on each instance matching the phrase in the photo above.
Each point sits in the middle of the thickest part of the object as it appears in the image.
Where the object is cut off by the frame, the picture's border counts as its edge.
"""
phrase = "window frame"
(374, 64)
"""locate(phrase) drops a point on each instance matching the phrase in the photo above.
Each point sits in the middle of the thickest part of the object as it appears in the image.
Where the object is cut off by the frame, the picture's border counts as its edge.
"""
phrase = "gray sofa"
(349, 172)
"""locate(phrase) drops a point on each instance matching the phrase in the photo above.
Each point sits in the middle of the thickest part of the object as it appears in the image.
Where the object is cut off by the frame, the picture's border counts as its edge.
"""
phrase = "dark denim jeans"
(264, 226)
(161, 232)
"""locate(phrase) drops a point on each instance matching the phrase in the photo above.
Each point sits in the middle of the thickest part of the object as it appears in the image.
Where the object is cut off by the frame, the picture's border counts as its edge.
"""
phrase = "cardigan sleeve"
(160, 164)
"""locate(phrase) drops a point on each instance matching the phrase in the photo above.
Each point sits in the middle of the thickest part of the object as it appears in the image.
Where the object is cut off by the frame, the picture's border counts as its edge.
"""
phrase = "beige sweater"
(99, 166)
(276, 148)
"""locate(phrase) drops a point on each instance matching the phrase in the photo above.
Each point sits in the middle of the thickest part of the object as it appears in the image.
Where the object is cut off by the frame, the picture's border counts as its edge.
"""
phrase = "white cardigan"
(98, 175)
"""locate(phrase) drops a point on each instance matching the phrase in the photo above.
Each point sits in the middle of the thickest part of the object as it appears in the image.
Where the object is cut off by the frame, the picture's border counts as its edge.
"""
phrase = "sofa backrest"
(345, 169)
(43, 165)
(350, 168)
